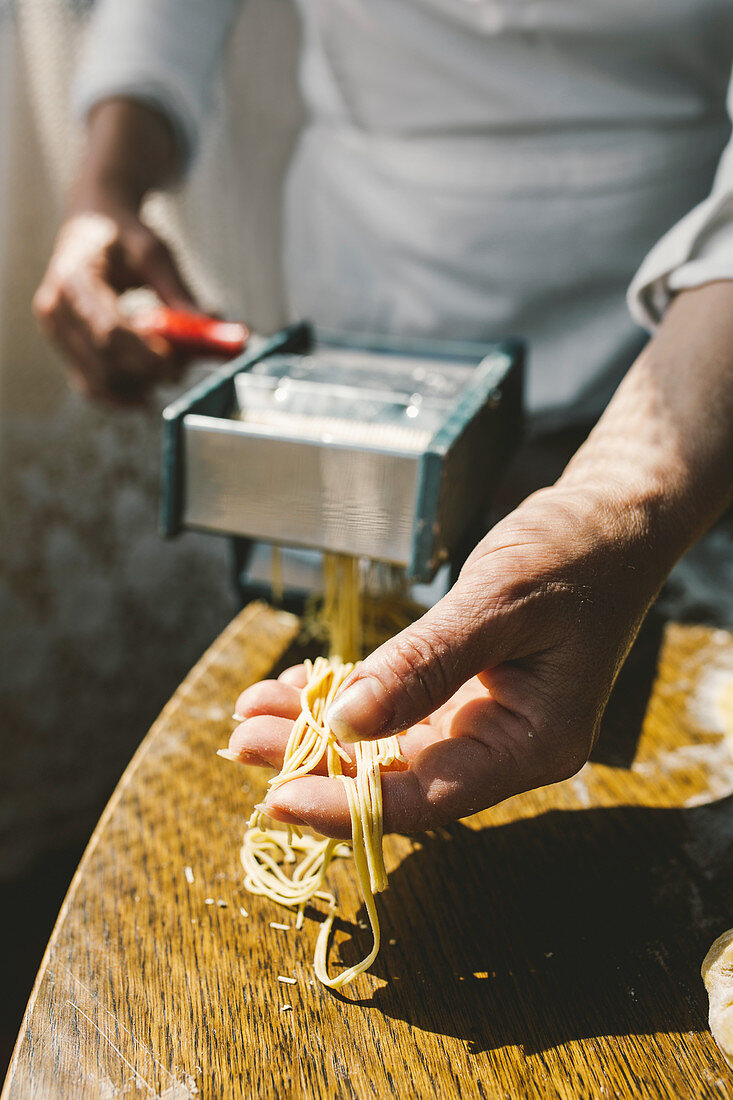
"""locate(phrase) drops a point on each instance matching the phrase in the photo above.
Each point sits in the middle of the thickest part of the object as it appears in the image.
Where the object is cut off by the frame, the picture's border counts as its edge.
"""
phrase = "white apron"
(476, 169)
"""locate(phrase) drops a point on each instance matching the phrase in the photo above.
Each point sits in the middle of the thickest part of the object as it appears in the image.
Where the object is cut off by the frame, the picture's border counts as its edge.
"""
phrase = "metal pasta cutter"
(381, 448)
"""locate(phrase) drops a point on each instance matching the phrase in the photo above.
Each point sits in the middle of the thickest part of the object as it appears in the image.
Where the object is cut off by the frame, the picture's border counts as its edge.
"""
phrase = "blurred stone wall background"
(99, 618)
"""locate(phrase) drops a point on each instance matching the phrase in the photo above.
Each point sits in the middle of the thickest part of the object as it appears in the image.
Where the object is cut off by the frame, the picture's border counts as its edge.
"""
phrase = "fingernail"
(227, 754)
(242, 754)
(362, 711)
(278, 813)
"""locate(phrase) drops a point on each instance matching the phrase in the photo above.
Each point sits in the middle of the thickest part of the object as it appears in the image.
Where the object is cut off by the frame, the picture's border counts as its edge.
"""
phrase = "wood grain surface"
(549, 947)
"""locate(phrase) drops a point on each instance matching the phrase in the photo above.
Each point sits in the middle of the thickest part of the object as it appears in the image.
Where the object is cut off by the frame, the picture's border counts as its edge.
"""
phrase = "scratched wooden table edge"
(249, 613)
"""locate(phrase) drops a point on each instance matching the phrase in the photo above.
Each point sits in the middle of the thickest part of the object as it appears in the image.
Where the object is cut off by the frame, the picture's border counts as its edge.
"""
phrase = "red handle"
(193, 332)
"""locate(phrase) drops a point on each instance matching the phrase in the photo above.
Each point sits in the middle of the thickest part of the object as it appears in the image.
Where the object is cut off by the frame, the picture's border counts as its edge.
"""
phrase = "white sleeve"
(161, 52)
(697, 250)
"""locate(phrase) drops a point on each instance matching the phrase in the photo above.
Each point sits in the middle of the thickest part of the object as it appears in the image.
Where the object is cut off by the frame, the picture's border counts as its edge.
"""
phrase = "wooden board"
(547, 948)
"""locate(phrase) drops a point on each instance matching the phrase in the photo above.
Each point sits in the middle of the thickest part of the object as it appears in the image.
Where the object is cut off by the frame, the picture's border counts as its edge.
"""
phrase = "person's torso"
(422, 67)
(472, 167)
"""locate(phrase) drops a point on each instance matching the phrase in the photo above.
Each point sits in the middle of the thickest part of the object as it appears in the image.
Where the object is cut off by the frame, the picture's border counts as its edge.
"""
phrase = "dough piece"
(717, 973)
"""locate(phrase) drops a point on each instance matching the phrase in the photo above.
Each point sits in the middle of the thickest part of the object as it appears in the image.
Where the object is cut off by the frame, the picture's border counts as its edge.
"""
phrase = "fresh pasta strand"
(365, 807)
(363, 604)
(342, 605)
(270, 856)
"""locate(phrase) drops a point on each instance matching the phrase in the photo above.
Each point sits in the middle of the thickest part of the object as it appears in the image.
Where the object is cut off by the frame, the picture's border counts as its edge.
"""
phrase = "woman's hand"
(98, 255)
(104, 248)
(498, 689)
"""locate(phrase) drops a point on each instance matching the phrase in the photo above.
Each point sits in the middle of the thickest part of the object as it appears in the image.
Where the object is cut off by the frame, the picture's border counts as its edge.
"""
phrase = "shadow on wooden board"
(622, 722)
(598, 927)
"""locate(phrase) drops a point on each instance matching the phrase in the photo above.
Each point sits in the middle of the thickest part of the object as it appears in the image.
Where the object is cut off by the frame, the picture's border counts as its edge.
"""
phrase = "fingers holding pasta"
(470, 754)
(263, 738)
(481, 759)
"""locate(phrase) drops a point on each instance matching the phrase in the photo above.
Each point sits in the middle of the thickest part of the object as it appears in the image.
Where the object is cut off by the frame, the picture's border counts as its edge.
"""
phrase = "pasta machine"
(377, 447)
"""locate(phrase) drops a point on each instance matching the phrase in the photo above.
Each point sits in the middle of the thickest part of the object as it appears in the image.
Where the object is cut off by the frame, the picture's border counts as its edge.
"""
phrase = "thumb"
(410, 676)
(159, 270)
